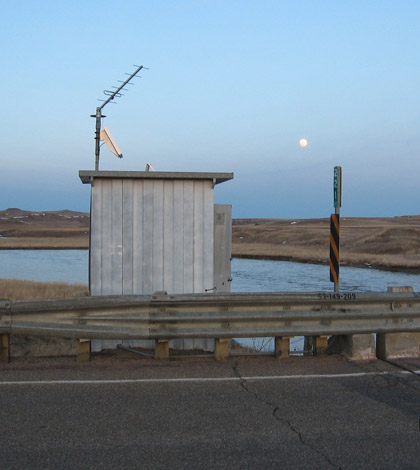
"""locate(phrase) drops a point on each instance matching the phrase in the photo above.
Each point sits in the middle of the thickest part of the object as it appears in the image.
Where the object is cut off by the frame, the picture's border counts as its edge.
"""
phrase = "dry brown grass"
(13, 289)
(33, 346)
(45, 243)
(383, 243)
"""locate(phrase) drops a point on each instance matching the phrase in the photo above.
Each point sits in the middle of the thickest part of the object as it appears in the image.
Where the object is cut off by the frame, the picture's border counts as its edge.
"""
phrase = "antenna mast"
(99, 115)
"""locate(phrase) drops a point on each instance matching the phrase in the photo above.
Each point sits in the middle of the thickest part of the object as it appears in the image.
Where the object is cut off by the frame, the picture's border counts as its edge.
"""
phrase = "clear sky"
(232, 86)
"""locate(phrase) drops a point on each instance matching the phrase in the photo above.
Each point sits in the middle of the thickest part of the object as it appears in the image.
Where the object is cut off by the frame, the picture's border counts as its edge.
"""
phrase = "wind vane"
(105, 134)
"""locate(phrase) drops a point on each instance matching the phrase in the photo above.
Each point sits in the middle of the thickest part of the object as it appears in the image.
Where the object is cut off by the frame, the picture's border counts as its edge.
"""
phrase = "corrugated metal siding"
(151, 235)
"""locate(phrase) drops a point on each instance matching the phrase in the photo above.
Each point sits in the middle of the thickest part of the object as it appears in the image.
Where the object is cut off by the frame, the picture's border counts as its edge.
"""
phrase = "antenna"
(106, 136)
(111, 95)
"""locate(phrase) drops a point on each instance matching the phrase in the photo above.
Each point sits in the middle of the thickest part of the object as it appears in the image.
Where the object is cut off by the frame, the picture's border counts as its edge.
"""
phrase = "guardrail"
(162, 317)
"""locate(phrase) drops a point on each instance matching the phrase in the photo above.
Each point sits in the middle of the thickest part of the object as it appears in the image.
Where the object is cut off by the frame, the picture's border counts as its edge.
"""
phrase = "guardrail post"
(5, 322)
(221, 348)
(395, 345)
(282, 347)
(4, 347)
(83, 350)
(162, 349)
(320, 345)
(308, 345)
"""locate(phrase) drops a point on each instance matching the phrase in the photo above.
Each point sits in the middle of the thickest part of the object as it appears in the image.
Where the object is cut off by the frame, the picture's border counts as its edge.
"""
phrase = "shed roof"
(87, 176)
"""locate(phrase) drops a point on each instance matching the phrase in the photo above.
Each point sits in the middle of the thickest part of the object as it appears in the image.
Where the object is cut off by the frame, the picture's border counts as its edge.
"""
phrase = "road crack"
(275, 413)
(392, 378)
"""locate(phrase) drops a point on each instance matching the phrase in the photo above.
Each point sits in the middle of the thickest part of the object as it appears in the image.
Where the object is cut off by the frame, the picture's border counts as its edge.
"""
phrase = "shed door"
(222, 247)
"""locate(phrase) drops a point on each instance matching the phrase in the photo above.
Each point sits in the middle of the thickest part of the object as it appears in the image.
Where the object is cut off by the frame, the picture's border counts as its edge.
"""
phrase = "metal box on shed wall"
(222, 247)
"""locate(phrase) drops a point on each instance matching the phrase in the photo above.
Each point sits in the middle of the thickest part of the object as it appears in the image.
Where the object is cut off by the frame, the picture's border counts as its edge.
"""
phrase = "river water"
(248, 276)
(45, 265)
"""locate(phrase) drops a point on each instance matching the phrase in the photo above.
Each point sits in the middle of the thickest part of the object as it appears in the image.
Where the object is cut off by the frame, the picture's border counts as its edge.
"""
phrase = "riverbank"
(47, 243)
(391, 244)
(382, 243)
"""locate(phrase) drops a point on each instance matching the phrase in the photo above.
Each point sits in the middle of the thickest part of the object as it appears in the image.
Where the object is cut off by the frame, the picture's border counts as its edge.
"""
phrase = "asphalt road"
(197, 413)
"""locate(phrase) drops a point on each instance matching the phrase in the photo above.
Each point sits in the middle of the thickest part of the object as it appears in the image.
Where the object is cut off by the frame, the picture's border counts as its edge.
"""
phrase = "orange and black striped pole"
(335, 249)
(335, 231)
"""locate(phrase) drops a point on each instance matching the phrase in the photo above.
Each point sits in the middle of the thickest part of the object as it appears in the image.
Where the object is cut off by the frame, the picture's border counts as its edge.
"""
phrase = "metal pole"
(337, 205)
(337, 284)
(97, 137)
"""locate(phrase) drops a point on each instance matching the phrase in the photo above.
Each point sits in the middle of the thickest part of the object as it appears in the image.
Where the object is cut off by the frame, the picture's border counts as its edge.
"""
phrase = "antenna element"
(111, 95)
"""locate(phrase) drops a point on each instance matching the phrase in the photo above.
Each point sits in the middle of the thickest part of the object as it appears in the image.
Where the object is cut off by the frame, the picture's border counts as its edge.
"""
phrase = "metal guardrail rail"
(213, 315)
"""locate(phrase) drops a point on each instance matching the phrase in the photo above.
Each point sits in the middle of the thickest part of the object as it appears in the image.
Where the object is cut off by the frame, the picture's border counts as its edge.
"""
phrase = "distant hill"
(48, 229)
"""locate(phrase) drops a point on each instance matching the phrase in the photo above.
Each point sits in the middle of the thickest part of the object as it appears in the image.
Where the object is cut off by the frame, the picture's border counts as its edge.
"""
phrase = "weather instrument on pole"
(105, 134)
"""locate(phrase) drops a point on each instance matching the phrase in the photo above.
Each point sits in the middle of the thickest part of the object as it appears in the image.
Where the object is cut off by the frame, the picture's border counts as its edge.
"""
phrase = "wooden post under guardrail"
(320, 345)
(83, 350)
(4, 348)
(162, 349)
(282, 347)
(221, 348)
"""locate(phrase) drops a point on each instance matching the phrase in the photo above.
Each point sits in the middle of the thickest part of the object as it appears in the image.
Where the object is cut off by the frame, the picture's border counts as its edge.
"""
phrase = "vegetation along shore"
(391, 243)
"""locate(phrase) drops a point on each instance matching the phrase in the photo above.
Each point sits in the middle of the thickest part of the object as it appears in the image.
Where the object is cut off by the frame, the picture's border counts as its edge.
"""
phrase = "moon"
(303, 142)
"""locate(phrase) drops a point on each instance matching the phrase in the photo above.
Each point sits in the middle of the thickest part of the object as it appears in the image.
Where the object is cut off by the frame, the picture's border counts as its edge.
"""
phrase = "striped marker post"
(335, 231)
(335, 249)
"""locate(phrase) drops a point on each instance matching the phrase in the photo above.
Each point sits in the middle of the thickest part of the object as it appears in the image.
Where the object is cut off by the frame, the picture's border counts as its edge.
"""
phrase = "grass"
(384, 243)
(33, 346)
(44, 243)
(13, 289)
